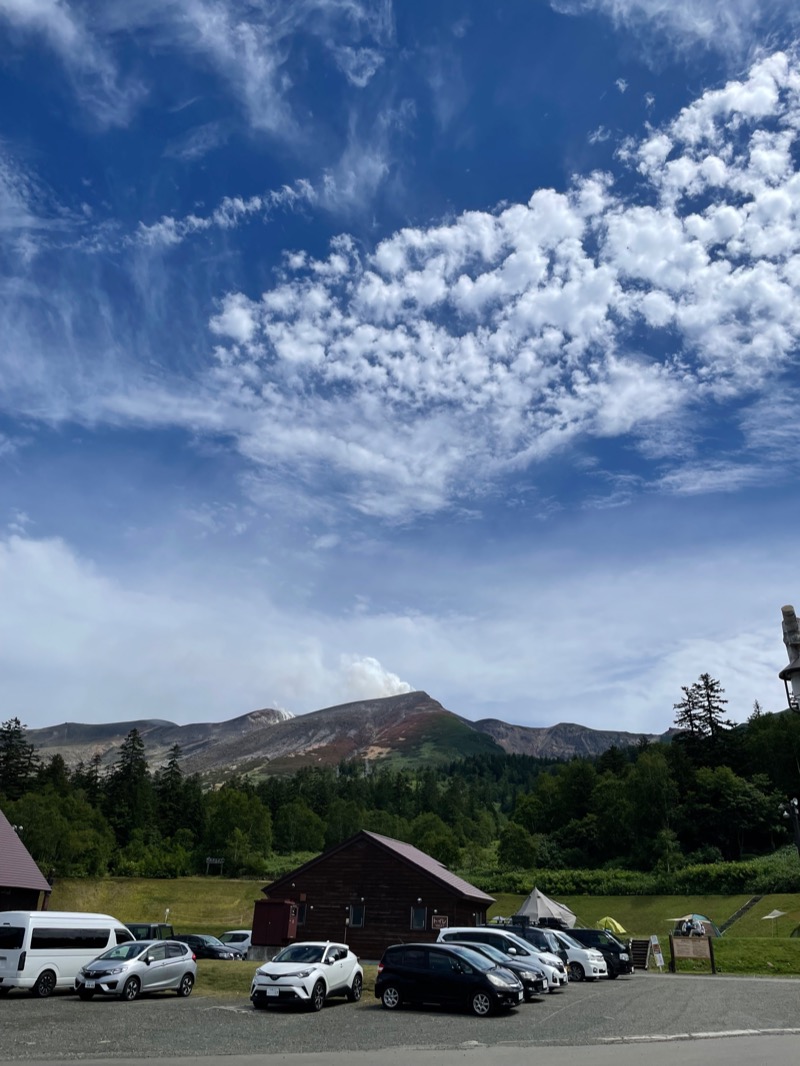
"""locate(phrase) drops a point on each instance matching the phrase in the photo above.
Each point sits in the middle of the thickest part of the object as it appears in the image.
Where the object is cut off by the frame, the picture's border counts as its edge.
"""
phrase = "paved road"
(613, 1014)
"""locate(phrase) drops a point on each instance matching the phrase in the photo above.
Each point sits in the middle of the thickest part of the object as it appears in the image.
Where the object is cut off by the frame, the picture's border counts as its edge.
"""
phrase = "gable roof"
(406, 853)
(17, 868)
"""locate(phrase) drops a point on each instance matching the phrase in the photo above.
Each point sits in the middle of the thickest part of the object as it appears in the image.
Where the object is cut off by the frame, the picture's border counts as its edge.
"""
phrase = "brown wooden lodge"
(370, 891)
(23, 886)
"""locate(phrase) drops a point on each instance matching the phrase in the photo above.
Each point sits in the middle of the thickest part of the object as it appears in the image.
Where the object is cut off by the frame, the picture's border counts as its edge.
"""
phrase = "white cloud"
(77, 644)
(359, 65)
(88, 61)
(732, 26)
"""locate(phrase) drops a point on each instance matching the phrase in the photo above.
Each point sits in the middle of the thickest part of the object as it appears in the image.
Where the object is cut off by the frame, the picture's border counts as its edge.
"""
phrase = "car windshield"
(212, 941)
(521, 946)
(474, 958)
(125, 952)
(490, 951)
(300, 953)
(233, 938)
(570, 941)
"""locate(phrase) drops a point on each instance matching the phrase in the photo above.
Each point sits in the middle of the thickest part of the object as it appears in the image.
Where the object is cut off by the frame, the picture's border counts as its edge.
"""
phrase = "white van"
(43, 950)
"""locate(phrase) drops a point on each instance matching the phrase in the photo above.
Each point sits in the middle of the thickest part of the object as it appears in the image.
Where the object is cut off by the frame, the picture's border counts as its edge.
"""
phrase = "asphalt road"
(618, 1014)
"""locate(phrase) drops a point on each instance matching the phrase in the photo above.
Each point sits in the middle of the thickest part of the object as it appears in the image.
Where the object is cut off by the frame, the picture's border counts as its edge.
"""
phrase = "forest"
(710, 795)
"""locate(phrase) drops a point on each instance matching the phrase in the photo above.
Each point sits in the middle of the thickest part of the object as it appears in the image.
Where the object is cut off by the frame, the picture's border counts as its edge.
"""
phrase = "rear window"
(11, 937)
(123, 935)
(68, 939)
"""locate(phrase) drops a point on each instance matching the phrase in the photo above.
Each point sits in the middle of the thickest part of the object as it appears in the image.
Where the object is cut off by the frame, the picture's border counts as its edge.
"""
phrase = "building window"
(357, 916)
(419, 917)
(301, 913)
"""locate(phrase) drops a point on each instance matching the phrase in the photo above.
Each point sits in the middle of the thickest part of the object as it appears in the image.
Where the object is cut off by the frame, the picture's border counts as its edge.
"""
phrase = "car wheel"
(131, 988)
(4, 990)
(391, 998)
(612, 976)
(85, 993)
(260, 1003)
(186, 985)
(481, 1004)
(45, 985)
(317, 1001)
(576, 972)
(354, 991)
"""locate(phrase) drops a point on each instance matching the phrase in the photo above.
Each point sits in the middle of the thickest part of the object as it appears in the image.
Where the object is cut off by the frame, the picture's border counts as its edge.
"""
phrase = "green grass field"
(214, 904)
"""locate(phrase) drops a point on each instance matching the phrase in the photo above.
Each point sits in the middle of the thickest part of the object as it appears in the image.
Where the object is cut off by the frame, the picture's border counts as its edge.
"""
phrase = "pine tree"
(19, 762)
(711, 706)
(687, 716)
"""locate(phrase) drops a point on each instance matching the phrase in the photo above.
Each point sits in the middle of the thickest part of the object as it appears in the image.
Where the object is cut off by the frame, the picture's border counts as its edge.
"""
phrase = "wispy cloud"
(89, 62)
(732, 27)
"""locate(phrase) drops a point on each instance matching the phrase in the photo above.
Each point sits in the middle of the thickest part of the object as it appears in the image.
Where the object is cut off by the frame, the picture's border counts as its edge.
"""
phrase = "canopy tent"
(538, 906)
(610, 924)
(774, 915)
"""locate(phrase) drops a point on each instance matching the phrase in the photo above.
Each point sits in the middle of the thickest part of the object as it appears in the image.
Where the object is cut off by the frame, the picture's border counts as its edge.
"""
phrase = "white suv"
(554, 969)
(585, 964)
(307, 973)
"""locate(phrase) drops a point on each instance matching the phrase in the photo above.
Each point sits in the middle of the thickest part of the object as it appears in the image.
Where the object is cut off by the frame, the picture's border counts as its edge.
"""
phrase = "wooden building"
(372, 891)
(23, 886)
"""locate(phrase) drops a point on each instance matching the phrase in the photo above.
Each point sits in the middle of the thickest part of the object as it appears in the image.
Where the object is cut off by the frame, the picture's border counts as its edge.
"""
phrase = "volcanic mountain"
(411, 729)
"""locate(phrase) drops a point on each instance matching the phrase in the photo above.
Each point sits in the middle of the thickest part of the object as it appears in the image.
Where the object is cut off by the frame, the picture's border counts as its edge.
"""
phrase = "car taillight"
(194, 957)
(21, 962)
(380, 967)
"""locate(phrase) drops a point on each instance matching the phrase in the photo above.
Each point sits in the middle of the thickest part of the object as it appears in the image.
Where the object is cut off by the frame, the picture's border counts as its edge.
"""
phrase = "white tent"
(538, 906)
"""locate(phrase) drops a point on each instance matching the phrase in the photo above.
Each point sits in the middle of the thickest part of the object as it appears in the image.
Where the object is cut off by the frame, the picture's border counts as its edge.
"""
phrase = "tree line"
(712, 793)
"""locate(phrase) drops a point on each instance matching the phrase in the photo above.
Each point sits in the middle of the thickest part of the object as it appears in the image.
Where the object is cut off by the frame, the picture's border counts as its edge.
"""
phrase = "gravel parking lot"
(62, 1027)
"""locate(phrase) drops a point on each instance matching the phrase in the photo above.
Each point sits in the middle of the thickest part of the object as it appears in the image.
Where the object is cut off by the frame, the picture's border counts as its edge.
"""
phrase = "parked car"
(617, 955)
(308, 973)
(542, 938)
(447, 974)
(151, 930)
(208, 947)
(585, 964)
(238, 940)
(554, 969)
(534, 982)
(43, 950)
(139, 966)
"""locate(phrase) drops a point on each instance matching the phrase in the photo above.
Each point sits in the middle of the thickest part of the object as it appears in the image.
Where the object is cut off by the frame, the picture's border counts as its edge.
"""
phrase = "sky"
(349, 347)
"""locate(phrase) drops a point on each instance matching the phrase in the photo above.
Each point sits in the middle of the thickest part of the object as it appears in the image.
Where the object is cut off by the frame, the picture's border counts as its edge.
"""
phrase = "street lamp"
(791, 811)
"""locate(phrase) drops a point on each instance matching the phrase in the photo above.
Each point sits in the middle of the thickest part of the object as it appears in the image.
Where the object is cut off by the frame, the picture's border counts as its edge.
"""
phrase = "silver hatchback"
(139, 966)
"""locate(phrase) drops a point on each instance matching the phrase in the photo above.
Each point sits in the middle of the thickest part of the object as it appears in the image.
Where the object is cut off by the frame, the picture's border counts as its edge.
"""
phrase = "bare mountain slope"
(412, 729)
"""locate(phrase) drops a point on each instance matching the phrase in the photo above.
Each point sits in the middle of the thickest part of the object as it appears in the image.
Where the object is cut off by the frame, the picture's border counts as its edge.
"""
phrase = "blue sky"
(350, 346)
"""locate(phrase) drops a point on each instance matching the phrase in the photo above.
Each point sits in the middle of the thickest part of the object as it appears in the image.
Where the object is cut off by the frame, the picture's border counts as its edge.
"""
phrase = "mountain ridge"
(411, 728)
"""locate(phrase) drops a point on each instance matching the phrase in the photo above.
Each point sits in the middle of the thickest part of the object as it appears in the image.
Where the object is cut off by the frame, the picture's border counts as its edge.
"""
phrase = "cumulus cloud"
(450, 355)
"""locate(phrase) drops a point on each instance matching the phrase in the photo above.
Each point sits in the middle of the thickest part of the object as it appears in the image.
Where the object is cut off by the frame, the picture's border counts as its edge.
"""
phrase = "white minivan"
(43, 950)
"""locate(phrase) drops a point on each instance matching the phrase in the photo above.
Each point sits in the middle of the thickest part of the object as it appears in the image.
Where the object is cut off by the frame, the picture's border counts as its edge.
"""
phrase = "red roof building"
(23, 886)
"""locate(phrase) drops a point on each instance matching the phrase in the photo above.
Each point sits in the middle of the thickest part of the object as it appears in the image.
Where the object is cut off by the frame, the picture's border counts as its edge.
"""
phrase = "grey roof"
(408, 853)
(17, 868)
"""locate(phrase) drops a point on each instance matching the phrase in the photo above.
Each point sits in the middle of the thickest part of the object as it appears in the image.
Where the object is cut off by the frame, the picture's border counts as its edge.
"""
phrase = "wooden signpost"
(691, 947)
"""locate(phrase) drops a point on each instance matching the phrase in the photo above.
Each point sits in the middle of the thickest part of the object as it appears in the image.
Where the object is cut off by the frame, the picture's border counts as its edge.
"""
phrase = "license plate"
(520, 996)
(89, 984)
(272, 991)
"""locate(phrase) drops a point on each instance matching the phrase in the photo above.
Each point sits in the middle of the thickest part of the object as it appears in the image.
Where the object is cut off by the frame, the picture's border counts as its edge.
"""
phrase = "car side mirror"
(512, 951)
(148, 959)
(329, 961)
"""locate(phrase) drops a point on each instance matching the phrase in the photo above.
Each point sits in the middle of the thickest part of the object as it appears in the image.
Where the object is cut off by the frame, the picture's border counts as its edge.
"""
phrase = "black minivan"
(447, 975)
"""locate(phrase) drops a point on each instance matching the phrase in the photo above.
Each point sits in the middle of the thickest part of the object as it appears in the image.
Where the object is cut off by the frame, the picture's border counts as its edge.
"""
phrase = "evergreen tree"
(711, 706)
(129, 790)
(687, 711)
(19, 762)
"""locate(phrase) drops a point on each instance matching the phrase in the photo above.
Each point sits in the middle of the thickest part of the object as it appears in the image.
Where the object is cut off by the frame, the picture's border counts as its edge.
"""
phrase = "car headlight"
(117, 969)
(527, 975)
(500, 982)
(302, 974)
(623, 956)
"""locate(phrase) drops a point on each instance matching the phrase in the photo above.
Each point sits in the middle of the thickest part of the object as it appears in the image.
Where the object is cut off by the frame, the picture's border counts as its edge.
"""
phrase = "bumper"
(506, 1000)
(535, 988)
(108, 986)
(279, 993)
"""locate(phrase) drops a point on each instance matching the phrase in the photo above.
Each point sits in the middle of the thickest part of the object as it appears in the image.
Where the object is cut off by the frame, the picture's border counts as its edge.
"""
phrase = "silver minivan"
(140, 966)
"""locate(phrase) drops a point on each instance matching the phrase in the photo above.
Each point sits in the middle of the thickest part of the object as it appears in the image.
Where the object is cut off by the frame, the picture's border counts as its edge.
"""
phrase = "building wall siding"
(389, 889)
